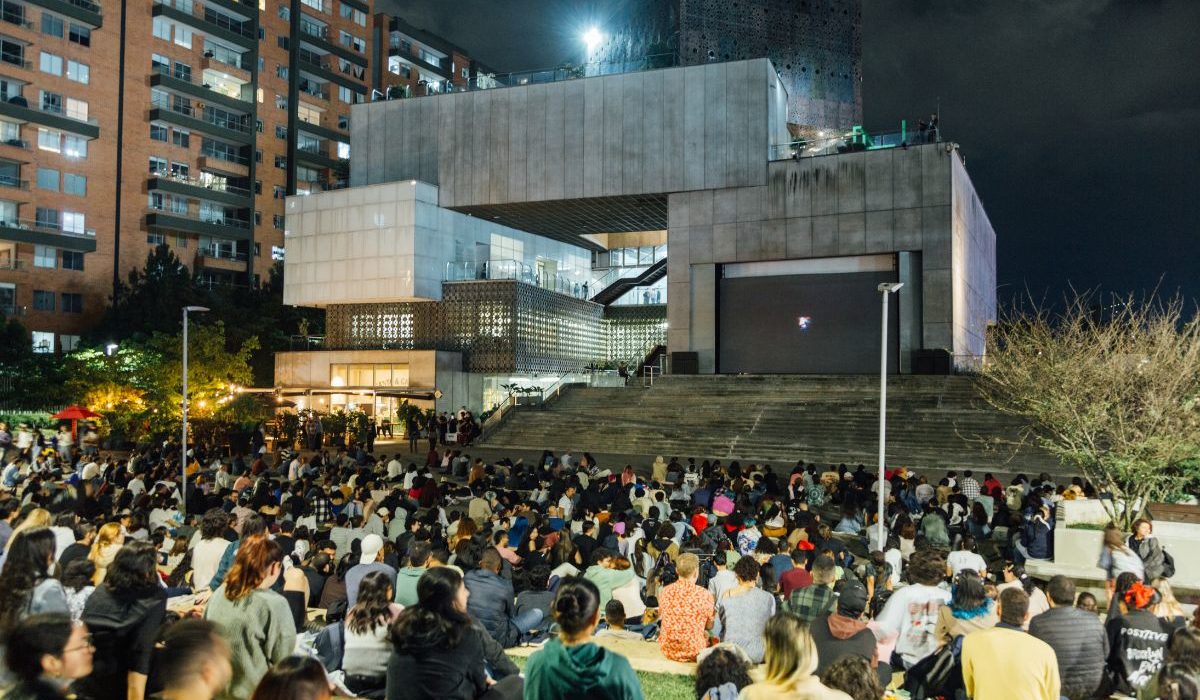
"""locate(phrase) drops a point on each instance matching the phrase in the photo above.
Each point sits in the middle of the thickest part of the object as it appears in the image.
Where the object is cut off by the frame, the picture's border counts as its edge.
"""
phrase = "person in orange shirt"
(687, 613)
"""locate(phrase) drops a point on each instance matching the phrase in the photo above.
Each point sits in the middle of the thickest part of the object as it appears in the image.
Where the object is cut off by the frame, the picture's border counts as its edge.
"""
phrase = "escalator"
(614, 291)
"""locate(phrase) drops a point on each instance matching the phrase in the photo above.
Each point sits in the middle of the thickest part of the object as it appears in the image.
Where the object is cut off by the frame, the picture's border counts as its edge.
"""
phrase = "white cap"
(382, 511)
(371, 544)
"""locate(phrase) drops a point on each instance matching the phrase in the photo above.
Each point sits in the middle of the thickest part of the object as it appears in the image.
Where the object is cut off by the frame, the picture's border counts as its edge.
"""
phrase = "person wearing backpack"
(1155, 559)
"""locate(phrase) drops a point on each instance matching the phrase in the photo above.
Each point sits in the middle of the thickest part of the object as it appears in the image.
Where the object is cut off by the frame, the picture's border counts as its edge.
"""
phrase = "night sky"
(1079, 119)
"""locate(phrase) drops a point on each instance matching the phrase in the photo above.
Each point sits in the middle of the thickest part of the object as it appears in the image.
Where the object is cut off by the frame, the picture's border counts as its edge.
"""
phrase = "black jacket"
(1081, 645)
(1151, 552)
(1137, 644)
(492, 603)
(124, 630)
(442, 674)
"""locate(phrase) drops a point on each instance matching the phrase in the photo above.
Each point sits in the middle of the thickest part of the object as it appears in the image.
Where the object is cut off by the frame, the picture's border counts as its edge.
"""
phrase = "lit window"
(43, 342)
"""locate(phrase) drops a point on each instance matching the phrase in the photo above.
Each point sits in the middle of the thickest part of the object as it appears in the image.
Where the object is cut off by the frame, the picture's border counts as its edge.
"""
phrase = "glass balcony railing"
(47, 227)
(214, 185)
(221, 54)
(855, 140)
(204, 217)
(206, 115)
(461, 271)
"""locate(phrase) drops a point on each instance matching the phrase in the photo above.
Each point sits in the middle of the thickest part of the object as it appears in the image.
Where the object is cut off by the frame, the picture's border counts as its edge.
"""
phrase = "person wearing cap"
(841, 632)
(370, 560)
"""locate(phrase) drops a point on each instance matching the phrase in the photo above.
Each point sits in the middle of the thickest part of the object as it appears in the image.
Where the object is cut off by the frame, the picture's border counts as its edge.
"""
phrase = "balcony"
(319, 37)
(85, 11)
(221, 165)
(231, 64)
(11, 182)
(18, 110)
(201, 120)
(322, 156)
(212, 226)
(246, 10)
(46, 233)
(16, 59)
(211, 23)
(321, 131)
(12, 266)
(199, 90)
(200, 189)
(217, 259)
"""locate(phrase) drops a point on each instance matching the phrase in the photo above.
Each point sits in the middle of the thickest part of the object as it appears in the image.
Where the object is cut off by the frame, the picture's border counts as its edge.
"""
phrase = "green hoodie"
(607, 580)
(406, 585)
(582, 671)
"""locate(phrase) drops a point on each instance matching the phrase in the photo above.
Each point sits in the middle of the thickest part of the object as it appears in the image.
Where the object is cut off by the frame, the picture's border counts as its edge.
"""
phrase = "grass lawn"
(655, 686)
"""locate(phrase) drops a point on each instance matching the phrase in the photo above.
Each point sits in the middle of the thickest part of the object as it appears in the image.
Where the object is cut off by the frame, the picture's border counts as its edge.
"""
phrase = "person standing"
(1146, 545)
(687, 613)
(1005, 662)
(1077, 638)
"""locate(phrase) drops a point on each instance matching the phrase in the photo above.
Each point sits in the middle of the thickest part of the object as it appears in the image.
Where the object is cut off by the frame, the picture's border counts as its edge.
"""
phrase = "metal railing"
(213, 152)
(202, 115)
(216, 253)
(59, 110)
(855, 140)
(465, 271)
(228, 57)
(191, 79)
(47, 227)
(204, 217)
(12, 265)
(13, 182)
(228, 23)
(214, 185)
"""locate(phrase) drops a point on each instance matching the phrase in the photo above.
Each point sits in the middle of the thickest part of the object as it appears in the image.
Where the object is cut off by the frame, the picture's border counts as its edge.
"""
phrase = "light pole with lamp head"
(885, 289)
(183, 445)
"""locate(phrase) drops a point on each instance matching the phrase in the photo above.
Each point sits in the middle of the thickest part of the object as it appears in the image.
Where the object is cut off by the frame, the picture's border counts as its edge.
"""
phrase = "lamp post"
(885, 289)
(183, 445)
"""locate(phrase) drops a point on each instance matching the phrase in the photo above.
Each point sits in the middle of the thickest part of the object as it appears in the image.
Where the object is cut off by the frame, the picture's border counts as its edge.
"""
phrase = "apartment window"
(278, 192)
(280, 102)
(52, 102)
(285, 13)
(158, 166)
(257, 218)
(277, 222)
(77, 109)
(308, 114)
(50, 63)
(160, 64)
(162, 28)
(258, 250)
(183, 36)
(75, 184)
(258, 187)
(466, 72)
(183, 71)
(72, 303)
(72, 260)
(314, 4)
(47, 179)
(44, 256)
(346, 95)
(281, 132)
(350, 41)
(155, 238)
(283, 44)
(80, 35)
(51, 25)
(158, 132)
(343, 150)
(156, 200)
(73, 222)
(180, 170)
(181, 242)
(179, 205)
(181, 137)
(281, 162)
(357, 16)
(79, 72)
(69, 342)
(276, 252)
(43, 342)
(343, 121)
(49, 139)
(43, 300)
(281, 72)
(74, 146)
(257, 156)
(12, 52)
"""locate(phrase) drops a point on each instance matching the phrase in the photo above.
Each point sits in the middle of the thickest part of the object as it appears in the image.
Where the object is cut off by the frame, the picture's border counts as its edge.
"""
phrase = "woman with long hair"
(1168, 608)
(294, 678)
(46, 652)
(26, 586)
(791, 657)
(438, 654)
(367, 645)
(1117, 558)
(109, 540)
(206, 555)
(256, 620)
(124, 614)
(572, 664)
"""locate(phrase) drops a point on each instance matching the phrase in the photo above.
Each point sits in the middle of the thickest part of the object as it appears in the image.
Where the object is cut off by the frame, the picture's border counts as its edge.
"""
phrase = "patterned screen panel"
(632, 331)
(498, 325)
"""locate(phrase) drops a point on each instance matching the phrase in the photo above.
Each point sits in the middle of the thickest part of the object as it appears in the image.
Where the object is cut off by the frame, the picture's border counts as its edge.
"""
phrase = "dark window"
(72, 303)
(180, 138)
(47, 217)
(80, 35)
(52, 25)
(277, 222)
(72, 260)
(43, 300)
(158, 132)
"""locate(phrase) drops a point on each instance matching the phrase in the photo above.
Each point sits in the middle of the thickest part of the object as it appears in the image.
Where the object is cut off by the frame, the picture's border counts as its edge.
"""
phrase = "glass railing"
(205, 218)
(221, 54)
(228, 23)
(217, 253)
(194, 80)
(640, 296)
(203, 183)
(85, 4)
(13, 182)
(463, 271)
(46, 227)
(203, 115)
(853, 141)
(58, 110)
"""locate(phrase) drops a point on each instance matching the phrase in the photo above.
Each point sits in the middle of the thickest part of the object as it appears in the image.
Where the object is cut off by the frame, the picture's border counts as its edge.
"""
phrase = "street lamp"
(183, 445)
(110, 349)
(884, 289)
(592, 38)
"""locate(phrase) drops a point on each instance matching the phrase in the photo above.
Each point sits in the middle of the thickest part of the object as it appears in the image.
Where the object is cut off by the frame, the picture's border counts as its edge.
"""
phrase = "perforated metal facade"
(816, 45)
(499, 326)
(631, 331)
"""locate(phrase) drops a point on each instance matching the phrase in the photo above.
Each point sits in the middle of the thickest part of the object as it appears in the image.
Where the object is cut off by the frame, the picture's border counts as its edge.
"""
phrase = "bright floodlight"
(195, 308)
(592, 37)
(890, 287)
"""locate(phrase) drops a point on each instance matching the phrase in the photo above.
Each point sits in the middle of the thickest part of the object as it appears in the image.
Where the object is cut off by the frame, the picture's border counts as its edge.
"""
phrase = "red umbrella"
(75, 414)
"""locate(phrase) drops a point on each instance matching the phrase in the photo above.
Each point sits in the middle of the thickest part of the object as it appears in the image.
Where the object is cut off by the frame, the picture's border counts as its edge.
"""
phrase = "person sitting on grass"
(614, 623)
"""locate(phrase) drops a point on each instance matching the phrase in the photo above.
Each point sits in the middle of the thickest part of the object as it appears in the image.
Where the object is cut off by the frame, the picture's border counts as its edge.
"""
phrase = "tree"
(1115, 394)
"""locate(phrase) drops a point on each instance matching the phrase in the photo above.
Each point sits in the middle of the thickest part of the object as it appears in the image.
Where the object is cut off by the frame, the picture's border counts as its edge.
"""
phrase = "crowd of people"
(384, 576)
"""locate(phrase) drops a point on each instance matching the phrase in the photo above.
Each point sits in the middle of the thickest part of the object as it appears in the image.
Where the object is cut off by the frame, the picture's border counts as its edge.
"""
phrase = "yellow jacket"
(1006, 664)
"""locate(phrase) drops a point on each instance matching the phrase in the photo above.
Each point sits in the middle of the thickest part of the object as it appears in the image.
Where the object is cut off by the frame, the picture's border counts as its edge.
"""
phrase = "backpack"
(936, 674)
(1168, 564)
(664, 570)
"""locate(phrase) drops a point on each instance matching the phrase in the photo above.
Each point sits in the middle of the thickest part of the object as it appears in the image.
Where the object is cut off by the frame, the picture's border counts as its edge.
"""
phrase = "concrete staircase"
(933, 422)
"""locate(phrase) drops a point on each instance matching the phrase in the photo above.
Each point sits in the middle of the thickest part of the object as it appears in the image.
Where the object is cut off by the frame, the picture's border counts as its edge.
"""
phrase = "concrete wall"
(391, 242)
(884, 201)
(427, 370)
(637, 133)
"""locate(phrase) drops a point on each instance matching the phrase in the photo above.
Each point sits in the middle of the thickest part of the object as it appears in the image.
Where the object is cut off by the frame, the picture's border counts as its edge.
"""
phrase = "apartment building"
(410, 62)
(184, 122)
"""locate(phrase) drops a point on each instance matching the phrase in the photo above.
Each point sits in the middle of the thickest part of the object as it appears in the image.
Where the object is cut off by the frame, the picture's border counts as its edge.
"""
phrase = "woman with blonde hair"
(38, 517)
(791, 658)
(1168, 608)
(109, 540)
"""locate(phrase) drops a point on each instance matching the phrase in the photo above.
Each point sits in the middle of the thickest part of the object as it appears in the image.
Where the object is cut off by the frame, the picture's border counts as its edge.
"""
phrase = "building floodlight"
(592, 37)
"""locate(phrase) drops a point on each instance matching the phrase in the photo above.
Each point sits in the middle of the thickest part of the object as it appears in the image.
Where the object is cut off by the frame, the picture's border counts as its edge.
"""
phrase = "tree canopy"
(1114, 394)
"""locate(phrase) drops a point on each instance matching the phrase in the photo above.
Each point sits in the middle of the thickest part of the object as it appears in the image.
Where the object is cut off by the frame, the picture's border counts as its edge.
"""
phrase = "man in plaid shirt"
(809, 602)
(969, 486)
(322, 509)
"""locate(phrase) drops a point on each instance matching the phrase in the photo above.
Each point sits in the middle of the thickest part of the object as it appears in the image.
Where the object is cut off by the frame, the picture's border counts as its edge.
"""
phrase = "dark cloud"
(1080, 119)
